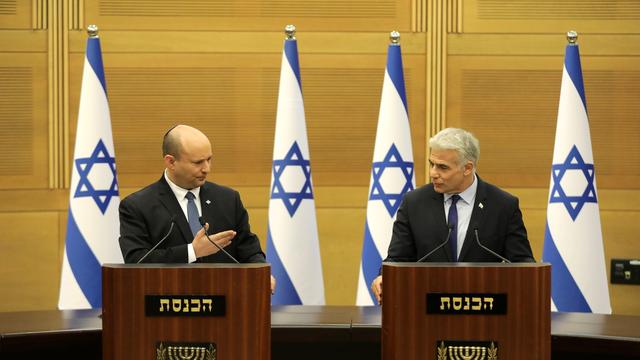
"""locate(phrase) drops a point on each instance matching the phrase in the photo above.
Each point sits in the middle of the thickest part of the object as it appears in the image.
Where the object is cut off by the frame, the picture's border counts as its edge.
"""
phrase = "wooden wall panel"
(544, 16)
(620, 229)
(16, 14)
(30, 256)
(341, 232)
(23, 120)
(260, 15)
(33, 200)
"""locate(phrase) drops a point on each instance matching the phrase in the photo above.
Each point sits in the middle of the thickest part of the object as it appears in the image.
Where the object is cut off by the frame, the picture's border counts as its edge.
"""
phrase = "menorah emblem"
(461, 351)
(467, 352)
(186, 351)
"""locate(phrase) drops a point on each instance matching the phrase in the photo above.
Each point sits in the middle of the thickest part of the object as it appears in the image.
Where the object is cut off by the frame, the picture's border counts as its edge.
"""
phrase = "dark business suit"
(145, 217)
(421, 226)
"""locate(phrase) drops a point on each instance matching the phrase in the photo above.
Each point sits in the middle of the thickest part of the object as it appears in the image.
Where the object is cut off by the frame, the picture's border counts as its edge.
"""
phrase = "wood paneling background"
(491, 66)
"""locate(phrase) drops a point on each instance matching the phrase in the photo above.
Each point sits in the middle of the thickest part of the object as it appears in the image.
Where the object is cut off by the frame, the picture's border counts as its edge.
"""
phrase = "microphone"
(159, 242)
(446, 240)
(505, 260)
(202, 222)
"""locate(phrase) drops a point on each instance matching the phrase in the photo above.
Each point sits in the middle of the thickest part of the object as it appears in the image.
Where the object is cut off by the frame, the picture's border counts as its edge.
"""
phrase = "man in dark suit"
(183, 195)
(456, 199)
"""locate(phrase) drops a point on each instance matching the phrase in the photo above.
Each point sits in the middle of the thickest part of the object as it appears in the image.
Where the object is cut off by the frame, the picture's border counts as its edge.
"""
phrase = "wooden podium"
(466, 311)
(195, 311)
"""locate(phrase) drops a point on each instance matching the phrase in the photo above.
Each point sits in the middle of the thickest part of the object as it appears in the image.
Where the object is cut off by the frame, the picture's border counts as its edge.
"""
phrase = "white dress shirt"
(181, 196)
(465, 208)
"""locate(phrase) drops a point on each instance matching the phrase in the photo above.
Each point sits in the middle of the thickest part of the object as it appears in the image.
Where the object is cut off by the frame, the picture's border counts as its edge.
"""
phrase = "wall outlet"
(625, 271)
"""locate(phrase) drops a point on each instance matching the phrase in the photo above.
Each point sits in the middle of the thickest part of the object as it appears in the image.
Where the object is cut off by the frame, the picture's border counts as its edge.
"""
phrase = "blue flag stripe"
(394, 68)
(286, 293)
(84, 264)
(574, 69)
(291, 52)
(564, 290)
(94, 56)
(371, 260)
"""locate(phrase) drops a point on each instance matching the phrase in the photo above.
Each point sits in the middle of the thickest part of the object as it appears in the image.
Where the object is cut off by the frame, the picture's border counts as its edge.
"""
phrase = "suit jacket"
(421, 226)
(145, 217)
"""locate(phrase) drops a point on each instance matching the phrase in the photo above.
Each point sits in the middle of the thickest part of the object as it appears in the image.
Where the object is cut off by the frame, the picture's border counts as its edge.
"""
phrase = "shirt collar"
(468, 195)
(179, 192)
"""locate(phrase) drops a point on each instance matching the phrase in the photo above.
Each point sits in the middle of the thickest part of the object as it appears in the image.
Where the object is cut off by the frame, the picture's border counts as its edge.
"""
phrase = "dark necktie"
(192, 213)
(453, 222)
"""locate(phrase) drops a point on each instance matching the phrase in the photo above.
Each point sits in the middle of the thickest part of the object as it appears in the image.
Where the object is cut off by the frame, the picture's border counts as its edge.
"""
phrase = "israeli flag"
(392, 174)
(573, 237)
(292, 234)
(92, 226)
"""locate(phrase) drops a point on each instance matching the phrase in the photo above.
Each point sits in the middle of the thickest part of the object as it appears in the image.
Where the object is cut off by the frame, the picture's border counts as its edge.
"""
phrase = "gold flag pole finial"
(92, 30)
(394, 36)
(572, 37)
(290, 31)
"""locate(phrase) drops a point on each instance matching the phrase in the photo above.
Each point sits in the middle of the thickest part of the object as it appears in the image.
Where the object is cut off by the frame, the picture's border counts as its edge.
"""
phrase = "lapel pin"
(208, 202)
(480, 206)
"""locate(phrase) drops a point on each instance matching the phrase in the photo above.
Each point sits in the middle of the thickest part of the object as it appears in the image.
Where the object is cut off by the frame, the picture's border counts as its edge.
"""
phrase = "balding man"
(183, 195)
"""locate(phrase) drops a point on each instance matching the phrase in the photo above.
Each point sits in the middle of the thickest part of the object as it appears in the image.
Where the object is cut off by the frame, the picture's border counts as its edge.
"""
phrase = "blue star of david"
(291, 200)
(392, 159)
(102, 197)
(573, 204)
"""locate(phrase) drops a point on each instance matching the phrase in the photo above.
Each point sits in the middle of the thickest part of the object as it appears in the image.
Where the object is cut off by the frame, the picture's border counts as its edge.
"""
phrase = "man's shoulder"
(421, 192)
(147, 192)
(211, 186)
(219, 191)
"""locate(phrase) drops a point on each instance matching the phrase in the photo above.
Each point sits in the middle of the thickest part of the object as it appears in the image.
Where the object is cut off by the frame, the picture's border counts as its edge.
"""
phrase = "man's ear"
(169, 161)
(468, 168)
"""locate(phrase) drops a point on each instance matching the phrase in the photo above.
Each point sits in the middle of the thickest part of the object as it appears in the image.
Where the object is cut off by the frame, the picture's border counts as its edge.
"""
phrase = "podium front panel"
(222, 311)
(492, 311)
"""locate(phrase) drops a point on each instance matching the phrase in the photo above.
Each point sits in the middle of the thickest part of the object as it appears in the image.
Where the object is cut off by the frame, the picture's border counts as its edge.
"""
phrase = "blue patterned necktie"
(192, 213)
(453, 222)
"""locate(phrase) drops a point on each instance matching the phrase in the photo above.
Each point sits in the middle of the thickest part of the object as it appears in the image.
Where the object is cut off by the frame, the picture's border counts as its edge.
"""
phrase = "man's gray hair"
(462, 141)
